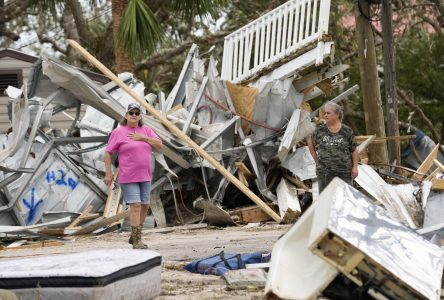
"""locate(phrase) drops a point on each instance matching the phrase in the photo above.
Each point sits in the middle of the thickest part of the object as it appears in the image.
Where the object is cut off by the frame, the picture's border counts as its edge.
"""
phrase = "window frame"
(18, 72)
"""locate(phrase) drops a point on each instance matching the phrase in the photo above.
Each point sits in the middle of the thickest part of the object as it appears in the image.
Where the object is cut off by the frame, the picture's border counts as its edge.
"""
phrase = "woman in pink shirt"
(134, 143)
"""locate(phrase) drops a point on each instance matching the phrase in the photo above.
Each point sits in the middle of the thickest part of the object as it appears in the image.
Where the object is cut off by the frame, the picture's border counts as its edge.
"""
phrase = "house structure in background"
(15, 70)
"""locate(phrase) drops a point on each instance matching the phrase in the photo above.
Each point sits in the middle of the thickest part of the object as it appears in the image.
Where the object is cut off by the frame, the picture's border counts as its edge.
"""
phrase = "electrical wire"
(179, 216)
(203, 174)
(179, 187)
(378, 12)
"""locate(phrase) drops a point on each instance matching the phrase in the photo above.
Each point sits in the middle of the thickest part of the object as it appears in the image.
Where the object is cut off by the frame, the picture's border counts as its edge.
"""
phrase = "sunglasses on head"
(132, 113)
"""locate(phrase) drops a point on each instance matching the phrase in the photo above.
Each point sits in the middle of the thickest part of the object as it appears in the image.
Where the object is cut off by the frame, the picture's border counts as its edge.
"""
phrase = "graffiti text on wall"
(32, 206)
(60, 178)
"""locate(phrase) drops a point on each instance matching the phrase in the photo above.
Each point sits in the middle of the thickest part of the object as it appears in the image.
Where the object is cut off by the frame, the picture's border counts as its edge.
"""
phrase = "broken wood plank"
(158, 211)
(102, 223)
(113, 200)
(175, 130)
(77, 221)
(360, 138)
(439, 165)
(11, 229)
(294, 180)
(243, 168)
(16, 243)
(426, 164)
(433, 174)
(289, 207)
(250, 214)
(34, 245)
(242, 178)
(438, 184)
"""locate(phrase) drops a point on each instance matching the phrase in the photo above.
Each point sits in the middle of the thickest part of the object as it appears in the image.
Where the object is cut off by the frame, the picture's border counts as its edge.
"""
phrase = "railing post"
(324, 15)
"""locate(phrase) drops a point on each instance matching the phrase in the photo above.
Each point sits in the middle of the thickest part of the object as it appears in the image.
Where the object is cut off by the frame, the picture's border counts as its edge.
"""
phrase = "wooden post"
(394, 149)
(176, 131)
(374, 120)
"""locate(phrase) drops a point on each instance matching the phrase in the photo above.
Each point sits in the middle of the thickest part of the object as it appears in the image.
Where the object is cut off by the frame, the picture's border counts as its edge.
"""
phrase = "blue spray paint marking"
(32, 206)
(61, 179)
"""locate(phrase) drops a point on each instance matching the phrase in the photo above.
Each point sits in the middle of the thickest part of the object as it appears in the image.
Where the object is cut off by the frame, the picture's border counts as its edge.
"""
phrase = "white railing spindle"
(274, 36)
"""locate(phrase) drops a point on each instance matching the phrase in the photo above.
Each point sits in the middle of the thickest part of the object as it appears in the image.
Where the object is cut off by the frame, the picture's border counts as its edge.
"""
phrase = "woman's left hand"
(137, 136)
(355, 172)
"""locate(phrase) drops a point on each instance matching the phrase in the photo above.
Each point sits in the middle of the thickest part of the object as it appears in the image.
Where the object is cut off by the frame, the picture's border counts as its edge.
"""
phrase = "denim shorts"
(136, 192)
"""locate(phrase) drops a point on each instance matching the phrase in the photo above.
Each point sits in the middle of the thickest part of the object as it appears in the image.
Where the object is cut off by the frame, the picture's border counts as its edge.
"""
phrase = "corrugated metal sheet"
(8, 63)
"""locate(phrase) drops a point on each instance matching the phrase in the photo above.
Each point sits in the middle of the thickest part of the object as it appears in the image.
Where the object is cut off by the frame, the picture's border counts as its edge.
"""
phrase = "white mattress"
(100, 274)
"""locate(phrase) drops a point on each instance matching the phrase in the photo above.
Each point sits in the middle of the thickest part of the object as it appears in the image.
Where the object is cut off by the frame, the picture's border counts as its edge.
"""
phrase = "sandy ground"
(179, 246)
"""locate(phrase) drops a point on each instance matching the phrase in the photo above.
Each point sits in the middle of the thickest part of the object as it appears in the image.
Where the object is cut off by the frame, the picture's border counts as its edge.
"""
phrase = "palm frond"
(188, 9)
(139, 29)
(53, 5)
(47, 5)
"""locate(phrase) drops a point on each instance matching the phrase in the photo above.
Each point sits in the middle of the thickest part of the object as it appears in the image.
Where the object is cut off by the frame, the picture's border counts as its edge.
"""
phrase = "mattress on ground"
(100, 274)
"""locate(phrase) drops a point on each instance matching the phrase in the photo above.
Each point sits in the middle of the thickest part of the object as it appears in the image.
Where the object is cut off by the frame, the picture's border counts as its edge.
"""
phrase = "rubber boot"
(137, 244)
(130, 241)
(139, 233)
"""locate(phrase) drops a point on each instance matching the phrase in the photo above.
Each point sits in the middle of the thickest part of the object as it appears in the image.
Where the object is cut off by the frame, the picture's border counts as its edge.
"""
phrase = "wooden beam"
(361, 138)
(243, 168)
(79, 218)
(113, 200)
(250, 214)
(103, 223)
(35, 245)
(438, 184)
(175, 130)
(157, 209)
(426, 164)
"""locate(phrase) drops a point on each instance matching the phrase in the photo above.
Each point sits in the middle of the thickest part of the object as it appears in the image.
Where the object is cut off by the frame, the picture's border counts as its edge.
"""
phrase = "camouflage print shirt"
(334, 150)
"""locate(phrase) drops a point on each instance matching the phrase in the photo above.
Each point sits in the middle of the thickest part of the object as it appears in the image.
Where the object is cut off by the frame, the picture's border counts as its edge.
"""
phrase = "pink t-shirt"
(134, 156)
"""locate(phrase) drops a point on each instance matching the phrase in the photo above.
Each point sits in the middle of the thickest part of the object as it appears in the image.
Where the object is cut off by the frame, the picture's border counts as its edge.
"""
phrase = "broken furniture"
(351, 235)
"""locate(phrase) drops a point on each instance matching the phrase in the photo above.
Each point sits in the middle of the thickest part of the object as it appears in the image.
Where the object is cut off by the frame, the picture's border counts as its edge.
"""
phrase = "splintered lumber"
(34, 245)
(359, 138)
(112, 202)
(251, 214)
(426, 164)
(158, 211)
(438, 184)
(102, 223)
(80, 218)
(175, 130)
(243, 168)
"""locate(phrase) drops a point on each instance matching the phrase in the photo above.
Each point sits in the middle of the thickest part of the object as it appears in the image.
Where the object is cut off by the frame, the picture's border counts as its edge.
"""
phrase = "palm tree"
(136, 30)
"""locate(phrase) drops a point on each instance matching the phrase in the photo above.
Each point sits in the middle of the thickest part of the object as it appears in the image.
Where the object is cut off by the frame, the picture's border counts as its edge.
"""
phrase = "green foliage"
(139, 30)
(420, 69)
(188, 9)
(52, 6)
(420, 64)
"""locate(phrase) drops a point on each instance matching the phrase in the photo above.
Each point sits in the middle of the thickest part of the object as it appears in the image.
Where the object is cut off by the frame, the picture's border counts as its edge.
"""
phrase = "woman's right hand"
(108, 179)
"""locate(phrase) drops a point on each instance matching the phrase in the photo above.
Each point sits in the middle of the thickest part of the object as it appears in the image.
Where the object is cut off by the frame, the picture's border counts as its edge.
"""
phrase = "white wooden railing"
(273, 36)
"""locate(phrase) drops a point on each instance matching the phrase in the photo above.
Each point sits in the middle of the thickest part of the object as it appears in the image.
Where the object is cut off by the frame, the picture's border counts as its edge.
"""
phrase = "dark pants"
(325, 178)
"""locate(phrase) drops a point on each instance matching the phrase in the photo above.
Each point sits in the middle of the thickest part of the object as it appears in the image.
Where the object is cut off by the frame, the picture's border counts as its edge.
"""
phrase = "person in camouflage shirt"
(333, 147)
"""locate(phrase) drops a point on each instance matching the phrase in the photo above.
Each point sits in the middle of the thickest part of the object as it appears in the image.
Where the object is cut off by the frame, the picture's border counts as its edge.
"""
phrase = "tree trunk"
(123, 62)
(374, 121)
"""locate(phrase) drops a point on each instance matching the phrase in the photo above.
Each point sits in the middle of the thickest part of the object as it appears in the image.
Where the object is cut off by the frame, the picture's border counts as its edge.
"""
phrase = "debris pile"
(256, 132)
